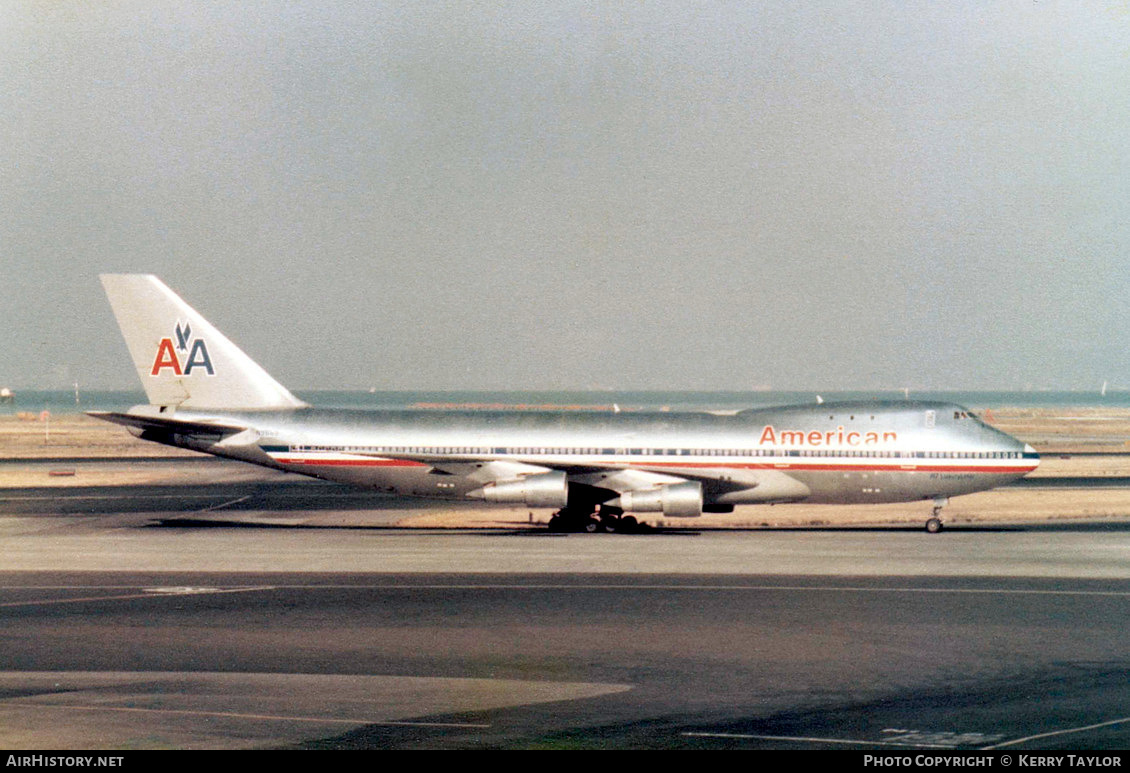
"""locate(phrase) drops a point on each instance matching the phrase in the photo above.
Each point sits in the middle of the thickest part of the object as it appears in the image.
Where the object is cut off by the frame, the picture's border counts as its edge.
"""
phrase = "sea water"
(65, 402)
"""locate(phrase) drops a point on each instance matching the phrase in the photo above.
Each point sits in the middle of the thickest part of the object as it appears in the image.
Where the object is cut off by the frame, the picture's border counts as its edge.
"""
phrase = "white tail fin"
(181, 359)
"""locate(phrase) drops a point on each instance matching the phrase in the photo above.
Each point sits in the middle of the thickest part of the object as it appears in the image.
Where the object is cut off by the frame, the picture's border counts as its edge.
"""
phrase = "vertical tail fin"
(180, 358)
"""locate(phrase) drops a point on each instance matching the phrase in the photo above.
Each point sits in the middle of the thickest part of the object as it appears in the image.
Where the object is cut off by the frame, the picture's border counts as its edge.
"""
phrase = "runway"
(375, 660)
(236, 608)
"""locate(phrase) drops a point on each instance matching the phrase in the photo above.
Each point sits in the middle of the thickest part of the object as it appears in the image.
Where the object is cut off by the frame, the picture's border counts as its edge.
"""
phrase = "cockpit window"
(963, 415)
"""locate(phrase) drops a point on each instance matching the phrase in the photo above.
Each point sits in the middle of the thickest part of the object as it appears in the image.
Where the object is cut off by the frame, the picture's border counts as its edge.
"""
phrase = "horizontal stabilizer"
(167, 425)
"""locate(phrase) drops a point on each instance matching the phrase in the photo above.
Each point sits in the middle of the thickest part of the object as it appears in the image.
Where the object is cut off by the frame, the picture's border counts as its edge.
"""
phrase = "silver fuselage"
(852, 452)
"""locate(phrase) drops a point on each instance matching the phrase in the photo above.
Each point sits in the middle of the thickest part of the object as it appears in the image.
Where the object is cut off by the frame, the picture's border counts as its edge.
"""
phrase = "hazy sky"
(531, 195)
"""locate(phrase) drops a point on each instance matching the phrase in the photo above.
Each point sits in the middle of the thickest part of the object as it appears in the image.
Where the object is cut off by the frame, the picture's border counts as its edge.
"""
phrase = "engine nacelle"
(674, 500)
(547, 489)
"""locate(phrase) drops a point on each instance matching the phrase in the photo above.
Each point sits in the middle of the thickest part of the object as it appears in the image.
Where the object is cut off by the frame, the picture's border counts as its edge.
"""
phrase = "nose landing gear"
(934, 523)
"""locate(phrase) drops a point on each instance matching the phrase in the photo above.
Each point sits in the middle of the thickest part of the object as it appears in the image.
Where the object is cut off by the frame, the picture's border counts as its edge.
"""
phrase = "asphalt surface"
(125, 625)
(129, 660)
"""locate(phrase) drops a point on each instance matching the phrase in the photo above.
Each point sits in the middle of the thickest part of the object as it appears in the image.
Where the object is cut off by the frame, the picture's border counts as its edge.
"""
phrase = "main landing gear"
(586, 521)
(934, 523)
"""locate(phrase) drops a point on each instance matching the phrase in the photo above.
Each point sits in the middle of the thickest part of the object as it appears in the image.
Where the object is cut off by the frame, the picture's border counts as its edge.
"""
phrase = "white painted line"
(238, 715)
(64, 496)
(628, 586)
(1068, 731)
(803, 739)
(822, 588)
(147, 593)
(180, 590)
(225, 504)
(949, 738)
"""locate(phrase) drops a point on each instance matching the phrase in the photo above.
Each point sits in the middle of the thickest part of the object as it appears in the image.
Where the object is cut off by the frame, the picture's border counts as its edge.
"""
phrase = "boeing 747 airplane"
(594, 469)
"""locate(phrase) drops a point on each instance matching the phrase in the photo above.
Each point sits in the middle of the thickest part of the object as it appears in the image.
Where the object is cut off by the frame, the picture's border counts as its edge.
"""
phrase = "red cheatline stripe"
(893, 467)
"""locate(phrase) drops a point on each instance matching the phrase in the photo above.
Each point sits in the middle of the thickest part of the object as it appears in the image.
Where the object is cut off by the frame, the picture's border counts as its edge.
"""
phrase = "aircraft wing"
(487, 470)
(612, 476)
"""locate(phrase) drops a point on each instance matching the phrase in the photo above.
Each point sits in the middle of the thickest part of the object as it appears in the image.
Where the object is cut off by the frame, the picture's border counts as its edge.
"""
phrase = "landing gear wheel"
(613, 524)
(582, 520)
(567, 521)
(628, 525)
(934, 525)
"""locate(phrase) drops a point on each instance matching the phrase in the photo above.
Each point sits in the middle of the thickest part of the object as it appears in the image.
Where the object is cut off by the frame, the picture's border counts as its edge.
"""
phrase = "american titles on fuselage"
(837, 437)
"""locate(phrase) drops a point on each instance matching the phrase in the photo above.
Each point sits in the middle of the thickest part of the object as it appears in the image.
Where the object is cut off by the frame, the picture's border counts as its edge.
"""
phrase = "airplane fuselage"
(858, 452)
(593, 468)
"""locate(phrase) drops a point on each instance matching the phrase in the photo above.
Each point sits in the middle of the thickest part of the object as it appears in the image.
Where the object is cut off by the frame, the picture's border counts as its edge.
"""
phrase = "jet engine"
(547, 489)
(674, 500)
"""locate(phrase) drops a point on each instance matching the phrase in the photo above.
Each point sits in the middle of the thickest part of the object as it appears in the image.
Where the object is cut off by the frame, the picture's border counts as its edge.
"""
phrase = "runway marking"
(146, 593)
(824, 588)
(224, 504)
(804, 739)
(1068, 731)
(238, 715)
(608, 586)
(181, 590)
(853, 589)
(63, 495)
(947, 738)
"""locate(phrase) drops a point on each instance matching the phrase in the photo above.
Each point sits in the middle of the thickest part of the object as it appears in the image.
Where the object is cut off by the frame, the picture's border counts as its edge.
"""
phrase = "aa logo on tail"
(194, 350)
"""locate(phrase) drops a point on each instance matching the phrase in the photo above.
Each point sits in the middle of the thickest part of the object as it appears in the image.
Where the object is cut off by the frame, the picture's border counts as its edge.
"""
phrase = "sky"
(576, 195)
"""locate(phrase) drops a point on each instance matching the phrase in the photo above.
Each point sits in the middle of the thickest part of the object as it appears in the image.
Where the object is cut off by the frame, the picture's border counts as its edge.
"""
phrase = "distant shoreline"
(62, 402)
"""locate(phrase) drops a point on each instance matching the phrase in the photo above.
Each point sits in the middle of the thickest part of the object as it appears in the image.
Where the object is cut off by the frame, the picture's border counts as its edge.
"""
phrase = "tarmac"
(173, 601)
